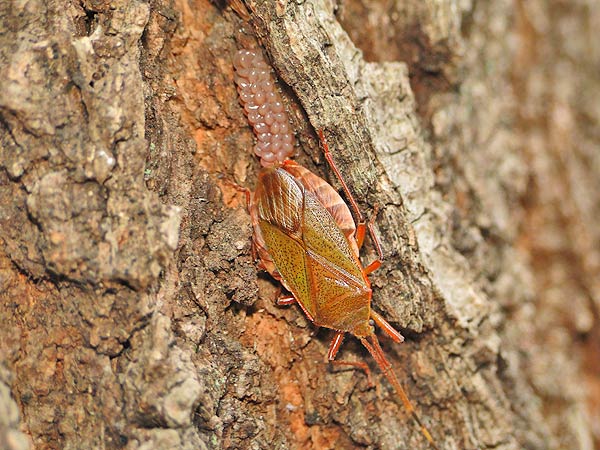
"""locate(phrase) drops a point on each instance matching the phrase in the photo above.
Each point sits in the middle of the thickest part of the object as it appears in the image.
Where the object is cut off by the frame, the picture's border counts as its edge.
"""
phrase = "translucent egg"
(264, 107)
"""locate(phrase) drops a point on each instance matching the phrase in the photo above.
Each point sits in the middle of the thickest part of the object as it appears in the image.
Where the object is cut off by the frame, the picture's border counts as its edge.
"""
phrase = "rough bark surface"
(132, 312)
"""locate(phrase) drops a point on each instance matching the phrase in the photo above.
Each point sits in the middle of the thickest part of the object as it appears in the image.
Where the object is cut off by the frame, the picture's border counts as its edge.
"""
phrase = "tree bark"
(133, 315)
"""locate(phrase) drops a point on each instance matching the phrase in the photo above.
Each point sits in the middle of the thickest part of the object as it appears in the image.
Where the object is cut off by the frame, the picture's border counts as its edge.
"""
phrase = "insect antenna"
(371, 343)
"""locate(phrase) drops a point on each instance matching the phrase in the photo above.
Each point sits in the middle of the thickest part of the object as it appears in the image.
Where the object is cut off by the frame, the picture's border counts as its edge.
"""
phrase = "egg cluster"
(263, 106)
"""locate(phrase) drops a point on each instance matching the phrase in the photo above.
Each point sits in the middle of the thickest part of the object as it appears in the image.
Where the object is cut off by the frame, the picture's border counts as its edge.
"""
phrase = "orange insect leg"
(372, 267)
(376, 241)
(360, 227)
(242, 189)
(285, 300)
(336, 342)
(385, 325)
(361, 230)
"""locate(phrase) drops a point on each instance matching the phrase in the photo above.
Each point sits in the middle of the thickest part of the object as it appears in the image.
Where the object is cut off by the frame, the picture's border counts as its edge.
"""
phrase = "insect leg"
(384, 324)
(373, 266)
(258, 250)
(376, 241)
(360, 238)
(242, 189)
(336, 342)
(329, 158)
(285, 300)
(361, 230)
(360, 227)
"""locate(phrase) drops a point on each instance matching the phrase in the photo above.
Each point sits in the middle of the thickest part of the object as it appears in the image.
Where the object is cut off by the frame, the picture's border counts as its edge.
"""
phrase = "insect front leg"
(336, 342)
(335, 345)
(385, 326)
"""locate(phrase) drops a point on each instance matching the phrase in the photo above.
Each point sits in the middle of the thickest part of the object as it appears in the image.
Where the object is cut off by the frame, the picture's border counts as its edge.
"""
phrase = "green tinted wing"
(323, 237)
(290, 259)
(279, 200)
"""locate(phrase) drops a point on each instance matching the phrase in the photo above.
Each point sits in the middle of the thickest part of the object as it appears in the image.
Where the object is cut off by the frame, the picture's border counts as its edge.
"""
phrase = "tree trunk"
(133, 315)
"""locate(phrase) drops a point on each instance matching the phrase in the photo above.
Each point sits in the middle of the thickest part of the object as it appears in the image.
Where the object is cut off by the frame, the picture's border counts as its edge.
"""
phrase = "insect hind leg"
(362, 225)
(242, 189)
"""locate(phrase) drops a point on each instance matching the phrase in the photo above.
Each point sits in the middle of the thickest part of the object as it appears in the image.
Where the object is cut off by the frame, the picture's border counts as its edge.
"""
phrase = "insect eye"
(371, 322)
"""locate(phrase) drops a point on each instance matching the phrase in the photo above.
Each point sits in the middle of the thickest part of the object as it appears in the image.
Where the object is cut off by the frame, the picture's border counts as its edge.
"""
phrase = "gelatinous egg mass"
(264, 108)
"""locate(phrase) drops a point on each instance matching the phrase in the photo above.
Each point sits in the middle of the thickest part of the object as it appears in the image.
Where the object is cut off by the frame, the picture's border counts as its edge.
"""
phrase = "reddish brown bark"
(132, 312)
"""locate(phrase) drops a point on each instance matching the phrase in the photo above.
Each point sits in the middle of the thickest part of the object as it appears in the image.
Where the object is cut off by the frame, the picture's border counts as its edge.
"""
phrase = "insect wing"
(279, 200)
(323, 237)
(328, 197)
(340, 292)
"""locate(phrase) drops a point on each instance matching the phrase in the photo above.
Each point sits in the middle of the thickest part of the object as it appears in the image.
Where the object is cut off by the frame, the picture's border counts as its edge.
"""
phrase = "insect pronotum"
(306, 238)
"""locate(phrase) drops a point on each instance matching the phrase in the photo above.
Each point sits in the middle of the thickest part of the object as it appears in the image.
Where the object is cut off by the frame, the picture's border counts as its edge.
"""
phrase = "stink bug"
(306, 237)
